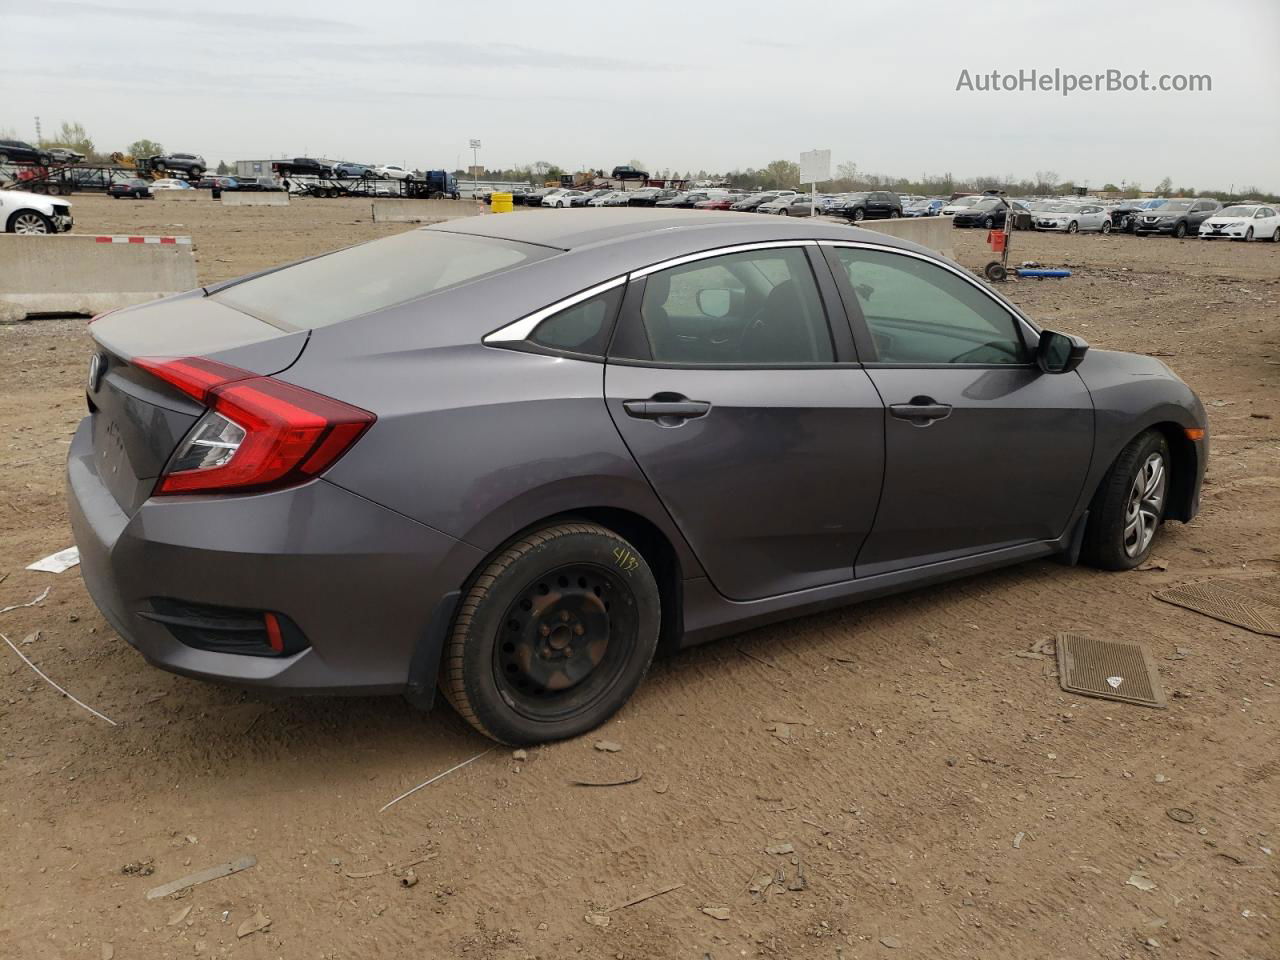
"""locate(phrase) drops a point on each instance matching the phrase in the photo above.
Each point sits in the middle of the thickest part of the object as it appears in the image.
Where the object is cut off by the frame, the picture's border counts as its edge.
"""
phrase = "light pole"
(475, 168)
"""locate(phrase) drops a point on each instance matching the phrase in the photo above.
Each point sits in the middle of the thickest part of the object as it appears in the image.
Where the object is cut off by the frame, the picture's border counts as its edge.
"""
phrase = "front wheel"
(553, 635)
(1248, 235)
(30, 223)
(1073, 227)
(989, 222)
(1129, 505)
(1180, 230)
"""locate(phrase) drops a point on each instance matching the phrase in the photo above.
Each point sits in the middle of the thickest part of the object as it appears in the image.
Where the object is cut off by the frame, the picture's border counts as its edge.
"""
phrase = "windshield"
(987, 204)
(1236, 212)
(1174, 206)
(369, 277)
(964, 202)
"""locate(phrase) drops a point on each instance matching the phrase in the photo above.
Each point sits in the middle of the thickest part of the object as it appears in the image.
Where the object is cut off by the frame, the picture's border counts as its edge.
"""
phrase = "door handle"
(921, 411)
(666, 409)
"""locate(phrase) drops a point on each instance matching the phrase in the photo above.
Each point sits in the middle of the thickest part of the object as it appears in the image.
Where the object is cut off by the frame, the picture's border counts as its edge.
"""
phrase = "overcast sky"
(704, 85)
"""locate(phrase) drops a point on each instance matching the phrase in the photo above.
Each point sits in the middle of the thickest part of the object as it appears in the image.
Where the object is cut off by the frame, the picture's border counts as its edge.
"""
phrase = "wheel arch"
(1183, 470)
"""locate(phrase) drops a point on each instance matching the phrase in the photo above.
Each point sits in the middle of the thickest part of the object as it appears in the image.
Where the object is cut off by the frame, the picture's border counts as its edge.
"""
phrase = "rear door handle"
(666, 409)
(921, 411)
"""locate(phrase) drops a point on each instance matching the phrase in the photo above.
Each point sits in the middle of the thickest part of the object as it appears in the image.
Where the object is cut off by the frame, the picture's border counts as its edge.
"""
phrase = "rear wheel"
(30, 223)
(553, 635)
(1275, 237)
(858, 215)
(894, 215)
(1106, 226)
(1129, 505)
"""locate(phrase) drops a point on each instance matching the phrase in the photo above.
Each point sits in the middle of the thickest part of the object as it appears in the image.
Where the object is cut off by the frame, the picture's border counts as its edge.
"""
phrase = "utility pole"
(475, 168)
(39, 135)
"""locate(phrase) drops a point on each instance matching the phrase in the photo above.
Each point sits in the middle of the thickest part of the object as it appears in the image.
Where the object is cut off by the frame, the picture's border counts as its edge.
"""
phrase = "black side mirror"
(1060, 352)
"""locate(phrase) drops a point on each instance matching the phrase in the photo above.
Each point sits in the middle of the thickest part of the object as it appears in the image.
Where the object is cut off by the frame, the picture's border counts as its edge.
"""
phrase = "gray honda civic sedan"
(513, 456)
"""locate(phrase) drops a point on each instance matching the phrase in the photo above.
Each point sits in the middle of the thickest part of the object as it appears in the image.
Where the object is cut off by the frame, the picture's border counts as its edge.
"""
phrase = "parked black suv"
(1178, 217)
(187, 163)
(627, 172)
(16, 151)
(876, 204)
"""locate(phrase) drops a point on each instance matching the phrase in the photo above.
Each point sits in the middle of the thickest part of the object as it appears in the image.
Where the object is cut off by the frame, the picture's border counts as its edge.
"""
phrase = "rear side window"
(582, 328)
(372, 276)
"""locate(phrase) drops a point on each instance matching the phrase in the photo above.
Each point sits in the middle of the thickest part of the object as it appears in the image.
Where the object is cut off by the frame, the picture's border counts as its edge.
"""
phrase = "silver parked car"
(1074, 218)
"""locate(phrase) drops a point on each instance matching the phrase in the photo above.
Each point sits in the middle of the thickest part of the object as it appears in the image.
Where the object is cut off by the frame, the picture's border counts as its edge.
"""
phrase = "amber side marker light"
(1194, 433)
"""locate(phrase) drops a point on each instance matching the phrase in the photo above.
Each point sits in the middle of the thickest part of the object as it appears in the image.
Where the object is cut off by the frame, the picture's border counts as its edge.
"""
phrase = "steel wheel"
(31, 224)
(1145, 505)
(563, 641)
(553, 635)
(1248, 235)
(1073, 227)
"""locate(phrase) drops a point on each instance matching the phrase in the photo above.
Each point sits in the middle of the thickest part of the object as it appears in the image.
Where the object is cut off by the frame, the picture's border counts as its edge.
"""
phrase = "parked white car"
(29, 213)
(955, 206)
(614, 199)
(1244, 221)
(1074, 218)
(391, 171)
(169, 183)
(560, 198)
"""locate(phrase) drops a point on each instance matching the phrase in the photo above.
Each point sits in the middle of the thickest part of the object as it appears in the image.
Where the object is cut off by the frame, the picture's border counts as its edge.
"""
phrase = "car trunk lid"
(138, 420)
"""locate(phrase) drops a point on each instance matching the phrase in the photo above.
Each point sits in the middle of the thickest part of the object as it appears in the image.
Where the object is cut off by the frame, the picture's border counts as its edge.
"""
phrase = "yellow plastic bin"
(501, 203)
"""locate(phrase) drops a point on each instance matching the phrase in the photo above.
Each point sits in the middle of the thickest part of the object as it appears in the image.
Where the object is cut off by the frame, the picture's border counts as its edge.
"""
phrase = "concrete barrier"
(188, 196)
(253, 198)
(932, 232)
(399, 210)
(73, 274)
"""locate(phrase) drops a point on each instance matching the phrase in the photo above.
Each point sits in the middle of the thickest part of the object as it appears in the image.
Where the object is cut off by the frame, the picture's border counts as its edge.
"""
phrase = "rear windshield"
(360, 280)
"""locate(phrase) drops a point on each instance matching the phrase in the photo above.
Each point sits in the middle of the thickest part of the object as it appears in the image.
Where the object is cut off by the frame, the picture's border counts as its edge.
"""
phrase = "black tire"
(858, 215)
(1104, 538)
(894, 215)
(196, 172)
(995, 271)
(1248, 235)
(4, 158)
(1106, 226)
(1275, 237)
(508, 649)
(1180, 230)
(989, 222)
(1073, 227)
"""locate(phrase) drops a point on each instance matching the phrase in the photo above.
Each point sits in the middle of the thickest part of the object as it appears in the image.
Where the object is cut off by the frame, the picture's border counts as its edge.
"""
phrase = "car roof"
(682, 230)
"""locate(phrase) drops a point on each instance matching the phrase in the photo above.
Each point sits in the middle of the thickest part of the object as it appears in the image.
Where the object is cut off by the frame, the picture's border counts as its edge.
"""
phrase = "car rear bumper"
(360, 581)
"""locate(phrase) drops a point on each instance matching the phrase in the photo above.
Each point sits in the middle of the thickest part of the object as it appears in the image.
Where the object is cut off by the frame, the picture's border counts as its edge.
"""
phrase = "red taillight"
(285, 434)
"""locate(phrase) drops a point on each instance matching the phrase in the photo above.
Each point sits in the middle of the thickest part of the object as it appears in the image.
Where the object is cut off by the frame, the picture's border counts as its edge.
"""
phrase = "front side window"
(920, 313)
(755, 307)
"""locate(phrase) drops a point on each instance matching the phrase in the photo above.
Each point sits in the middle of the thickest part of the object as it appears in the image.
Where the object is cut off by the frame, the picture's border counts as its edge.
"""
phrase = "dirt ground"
(942, 797)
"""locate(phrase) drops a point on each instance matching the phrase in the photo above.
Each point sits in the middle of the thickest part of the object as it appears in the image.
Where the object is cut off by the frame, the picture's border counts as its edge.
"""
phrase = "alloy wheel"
(1145, 505)
(30, 224)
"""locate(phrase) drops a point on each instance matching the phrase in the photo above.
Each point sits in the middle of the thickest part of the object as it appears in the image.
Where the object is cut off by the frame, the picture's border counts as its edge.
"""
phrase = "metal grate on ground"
(1216, 599)
(1108, 669)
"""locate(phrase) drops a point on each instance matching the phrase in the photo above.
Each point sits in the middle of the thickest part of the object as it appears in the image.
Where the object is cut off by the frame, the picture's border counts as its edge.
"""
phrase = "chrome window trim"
(718, 252)
(522, 328)
(962, 274)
